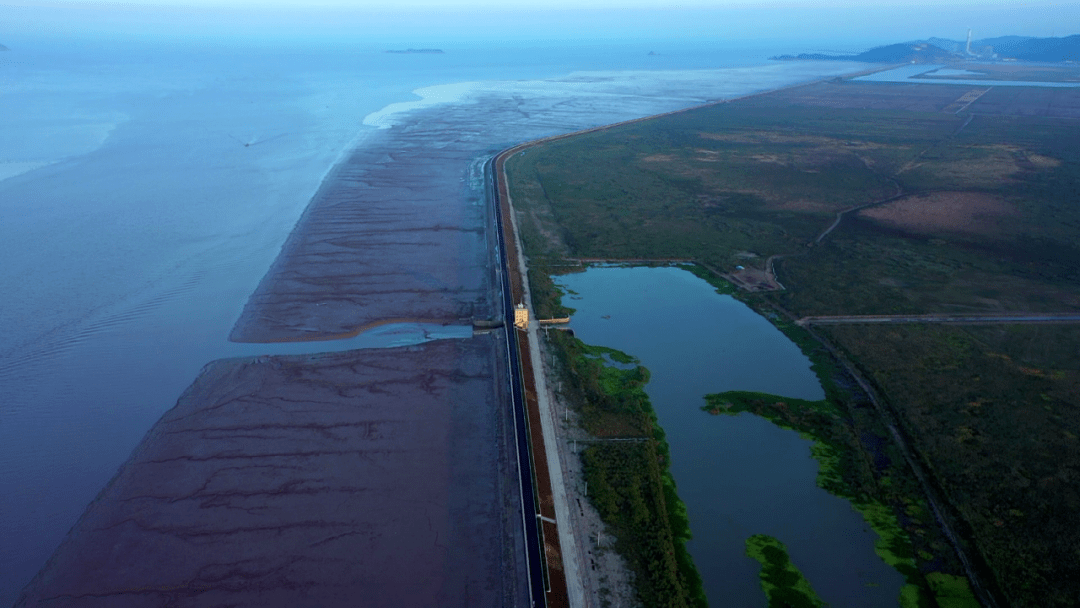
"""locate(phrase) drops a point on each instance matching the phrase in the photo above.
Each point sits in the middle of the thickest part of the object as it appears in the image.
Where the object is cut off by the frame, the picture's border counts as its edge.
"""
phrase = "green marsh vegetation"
(994, 411)
(626, 468)
(858, 465)
(783, 583)
(988, 220)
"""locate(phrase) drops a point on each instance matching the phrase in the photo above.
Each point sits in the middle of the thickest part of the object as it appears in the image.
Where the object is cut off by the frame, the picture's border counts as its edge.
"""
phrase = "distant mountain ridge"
(1037, 49)
(4, 48)
(937, 50)
(904, 52)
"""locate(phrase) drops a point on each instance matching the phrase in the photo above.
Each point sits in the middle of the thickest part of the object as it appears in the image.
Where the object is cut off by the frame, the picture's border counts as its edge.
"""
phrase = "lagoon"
(738, 475)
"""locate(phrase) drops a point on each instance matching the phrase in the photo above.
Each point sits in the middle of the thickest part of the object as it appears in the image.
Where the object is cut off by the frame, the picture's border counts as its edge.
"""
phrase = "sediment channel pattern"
(386, 237)
(372, 477)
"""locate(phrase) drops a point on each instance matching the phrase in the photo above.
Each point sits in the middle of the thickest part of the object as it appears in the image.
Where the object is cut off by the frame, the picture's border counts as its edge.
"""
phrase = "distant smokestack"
(967, 49)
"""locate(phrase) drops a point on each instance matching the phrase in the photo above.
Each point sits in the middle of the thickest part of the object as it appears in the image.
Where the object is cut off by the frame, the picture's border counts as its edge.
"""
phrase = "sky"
(798, 23)
(530, 4)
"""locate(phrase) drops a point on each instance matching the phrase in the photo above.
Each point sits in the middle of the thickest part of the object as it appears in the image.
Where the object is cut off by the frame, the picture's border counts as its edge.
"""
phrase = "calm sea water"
(145, 190)
(738, 475)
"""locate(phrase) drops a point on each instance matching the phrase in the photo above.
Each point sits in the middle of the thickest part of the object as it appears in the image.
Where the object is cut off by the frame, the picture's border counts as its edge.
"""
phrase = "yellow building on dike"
(521, 317)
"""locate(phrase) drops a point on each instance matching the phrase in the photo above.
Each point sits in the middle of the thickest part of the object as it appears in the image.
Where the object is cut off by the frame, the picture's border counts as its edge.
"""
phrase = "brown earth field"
(363, 478)
(945, 212)
(940, 206)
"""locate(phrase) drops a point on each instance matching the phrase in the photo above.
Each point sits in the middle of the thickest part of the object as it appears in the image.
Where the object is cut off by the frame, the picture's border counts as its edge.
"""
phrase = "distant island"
(418, 52)
(939, 50)
(4, 48)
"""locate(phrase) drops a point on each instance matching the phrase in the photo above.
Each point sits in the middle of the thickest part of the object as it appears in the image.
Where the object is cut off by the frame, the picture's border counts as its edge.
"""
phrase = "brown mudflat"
(364, 478)
(387, 237)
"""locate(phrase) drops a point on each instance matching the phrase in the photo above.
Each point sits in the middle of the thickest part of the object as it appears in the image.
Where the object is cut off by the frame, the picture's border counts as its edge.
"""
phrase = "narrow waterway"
(738, 475)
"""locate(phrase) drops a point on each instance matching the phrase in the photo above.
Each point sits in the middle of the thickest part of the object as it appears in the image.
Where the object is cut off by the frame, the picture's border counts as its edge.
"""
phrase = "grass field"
(941, 212)
(994, 411)
(629, 481)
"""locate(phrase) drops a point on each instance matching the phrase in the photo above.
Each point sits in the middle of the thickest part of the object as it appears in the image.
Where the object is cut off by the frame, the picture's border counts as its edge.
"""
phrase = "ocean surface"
(145, 189)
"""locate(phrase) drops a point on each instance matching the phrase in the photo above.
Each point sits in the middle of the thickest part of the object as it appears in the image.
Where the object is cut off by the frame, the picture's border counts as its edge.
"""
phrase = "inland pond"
(738, 475)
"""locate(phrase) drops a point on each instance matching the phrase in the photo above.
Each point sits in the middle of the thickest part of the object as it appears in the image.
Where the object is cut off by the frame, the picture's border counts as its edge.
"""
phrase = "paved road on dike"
(572, 559)
(534, 552)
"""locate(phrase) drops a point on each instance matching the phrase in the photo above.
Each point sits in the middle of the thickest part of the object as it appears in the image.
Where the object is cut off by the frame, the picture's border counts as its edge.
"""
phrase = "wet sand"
(371, 477)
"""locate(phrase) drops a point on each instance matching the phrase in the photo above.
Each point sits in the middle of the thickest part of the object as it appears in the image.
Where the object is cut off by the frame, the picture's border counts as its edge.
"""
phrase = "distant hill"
(919, 52)
(905, 52)
(1036, 49)
(1002, 41)
(940, 50)
(953, 46)
(4, 48)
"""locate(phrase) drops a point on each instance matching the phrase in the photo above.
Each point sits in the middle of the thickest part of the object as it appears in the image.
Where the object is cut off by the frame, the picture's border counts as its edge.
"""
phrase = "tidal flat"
(380, 476)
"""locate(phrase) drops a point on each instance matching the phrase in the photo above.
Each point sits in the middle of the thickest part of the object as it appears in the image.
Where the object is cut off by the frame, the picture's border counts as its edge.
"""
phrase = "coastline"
(378, 240)
(431, 96)
(459, 147)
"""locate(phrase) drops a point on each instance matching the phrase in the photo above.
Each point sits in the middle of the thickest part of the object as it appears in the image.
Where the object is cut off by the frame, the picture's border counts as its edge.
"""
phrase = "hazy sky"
(534, 4)
(798, 22)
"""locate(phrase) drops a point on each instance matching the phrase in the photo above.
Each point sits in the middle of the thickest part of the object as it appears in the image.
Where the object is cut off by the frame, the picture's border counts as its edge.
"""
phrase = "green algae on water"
(630, 482)
(784, 585)
(822, 423)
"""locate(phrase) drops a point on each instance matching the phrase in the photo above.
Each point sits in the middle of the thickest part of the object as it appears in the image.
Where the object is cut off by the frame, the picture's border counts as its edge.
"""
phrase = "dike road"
(561, 563)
